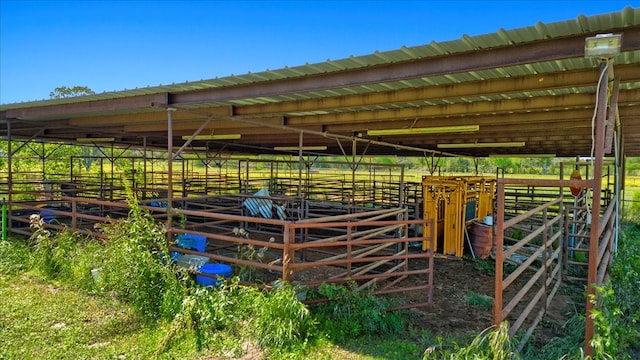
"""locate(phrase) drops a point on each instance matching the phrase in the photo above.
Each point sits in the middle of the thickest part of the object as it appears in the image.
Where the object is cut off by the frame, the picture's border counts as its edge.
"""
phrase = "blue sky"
(117, 45)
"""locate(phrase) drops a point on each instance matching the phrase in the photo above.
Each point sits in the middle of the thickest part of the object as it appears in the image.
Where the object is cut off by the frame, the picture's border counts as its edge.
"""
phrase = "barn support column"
(618, 184)
(300, 162)
(598, 149)
(43, 158)
(144, 164)
(619, 163)
(9, 176)
(354, 167)
(170, 175)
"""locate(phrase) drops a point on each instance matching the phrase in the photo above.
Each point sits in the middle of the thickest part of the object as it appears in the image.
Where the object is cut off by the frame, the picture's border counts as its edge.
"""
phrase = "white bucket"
(488, 220)
(95, 273)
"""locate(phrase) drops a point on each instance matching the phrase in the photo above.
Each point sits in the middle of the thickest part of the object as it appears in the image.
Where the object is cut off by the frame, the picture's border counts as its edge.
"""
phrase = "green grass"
(41, 320)
(479, 300)
(44, 321)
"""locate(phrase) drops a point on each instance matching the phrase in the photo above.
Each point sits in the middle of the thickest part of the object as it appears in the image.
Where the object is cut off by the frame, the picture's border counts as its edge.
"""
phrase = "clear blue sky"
(117, 45)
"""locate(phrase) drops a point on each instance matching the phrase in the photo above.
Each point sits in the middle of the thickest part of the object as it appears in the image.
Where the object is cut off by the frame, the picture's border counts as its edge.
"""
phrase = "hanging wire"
(595, 111)
(593, 136)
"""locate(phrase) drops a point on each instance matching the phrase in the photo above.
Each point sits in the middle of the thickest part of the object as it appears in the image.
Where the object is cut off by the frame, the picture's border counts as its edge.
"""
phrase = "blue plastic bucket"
(47, 216)
(221, 270)
(192, 242)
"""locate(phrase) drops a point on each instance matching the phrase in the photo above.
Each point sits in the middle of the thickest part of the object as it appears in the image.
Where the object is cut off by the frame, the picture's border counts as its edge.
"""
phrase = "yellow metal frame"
(445, 200)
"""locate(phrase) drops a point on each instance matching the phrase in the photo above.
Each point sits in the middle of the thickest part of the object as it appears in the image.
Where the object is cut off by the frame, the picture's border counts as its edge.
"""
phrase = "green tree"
(505, 163)
(633, 165)
(3, 155)
(65, 92)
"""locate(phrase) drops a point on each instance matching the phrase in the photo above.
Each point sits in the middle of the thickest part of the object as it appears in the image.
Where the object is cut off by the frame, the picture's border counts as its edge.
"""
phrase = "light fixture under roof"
(95, 140)
(602, 45)
(296, 148)
(481, 145)
(425, 130)
(213, 137)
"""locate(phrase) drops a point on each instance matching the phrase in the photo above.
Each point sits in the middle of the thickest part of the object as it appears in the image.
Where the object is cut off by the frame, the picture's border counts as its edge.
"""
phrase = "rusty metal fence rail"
(370, 248)
(528, 287)
(607, 236)
(366, 248)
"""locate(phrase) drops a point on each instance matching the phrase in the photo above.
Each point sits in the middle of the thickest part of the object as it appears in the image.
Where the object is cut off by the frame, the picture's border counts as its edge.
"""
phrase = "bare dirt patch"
(454, 314)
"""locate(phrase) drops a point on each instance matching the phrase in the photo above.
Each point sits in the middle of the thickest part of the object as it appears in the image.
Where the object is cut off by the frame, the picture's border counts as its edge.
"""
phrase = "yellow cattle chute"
(452, 202)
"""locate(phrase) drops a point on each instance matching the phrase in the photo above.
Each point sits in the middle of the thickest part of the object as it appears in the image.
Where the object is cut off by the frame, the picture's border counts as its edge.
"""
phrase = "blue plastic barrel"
(221, 270)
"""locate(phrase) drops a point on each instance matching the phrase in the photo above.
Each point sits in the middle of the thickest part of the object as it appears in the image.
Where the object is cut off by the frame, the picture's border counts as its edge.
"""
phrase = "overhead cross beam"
(473, 60)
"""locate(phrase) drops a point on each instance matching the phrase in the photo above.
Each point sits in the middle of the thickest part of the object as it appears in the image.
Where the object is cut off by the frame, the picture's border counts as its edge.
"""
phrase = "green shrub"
(617, 318)
(351, 313)
(274, 318)
(606, 338)
(136, 269)
(282, 320)
(200, 314)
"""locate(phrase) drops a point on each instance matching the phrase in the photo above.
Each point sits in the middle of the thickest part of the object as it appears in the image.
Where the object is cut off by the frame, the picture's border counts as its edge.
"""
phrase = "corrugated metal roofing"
(438, 84)
(627, 17)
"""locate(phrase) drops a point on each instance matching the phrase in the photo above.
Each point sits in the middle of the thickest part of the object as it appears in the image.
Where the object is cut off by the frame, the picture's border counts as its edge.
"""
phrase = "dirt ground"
(453, 314)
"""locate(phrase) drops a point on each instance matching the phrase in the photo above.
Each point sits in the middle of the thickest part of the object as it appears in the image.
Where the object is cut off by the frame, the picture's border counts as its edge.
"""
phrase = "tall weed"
(351, 313)
(275, 318)
(617, 315)
(90, 256)
(566, 347)
(200, 314)
(53, 253)
(136, 270)
(282, 320)
(14, 257)
(493, 343)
